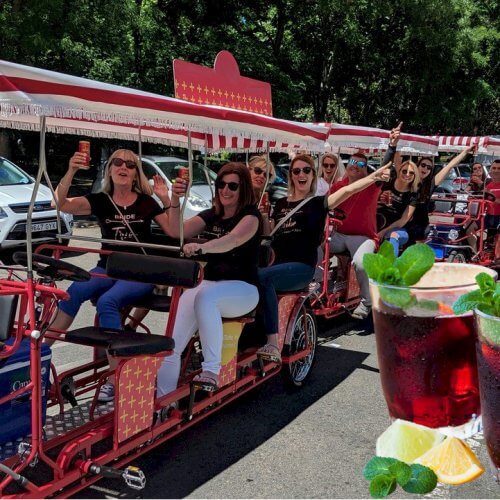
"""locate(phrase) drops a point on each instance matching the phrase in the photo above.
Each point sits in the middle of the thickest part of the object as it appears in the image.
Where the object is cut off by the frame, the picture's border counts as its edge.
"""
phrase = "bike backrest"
(8, 308)
(474, 208)
(168, 271)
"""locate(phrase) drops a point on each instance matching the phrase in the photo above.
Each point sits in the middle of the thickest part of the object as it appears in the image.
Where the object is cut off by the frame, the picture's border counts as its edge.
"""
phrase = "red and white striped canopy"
(352, 138)
(456, 143)
(78, 105)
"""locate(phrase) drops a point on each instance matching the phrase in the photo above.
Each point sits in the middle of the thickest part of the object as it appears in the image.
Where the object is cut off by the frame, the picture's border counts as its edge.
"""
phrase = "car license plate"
(43, 226)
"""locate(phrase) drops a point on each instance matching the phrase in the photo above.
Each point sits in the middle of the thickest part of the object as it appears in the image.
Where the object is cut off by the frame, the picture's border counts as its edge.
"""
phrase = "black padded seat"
(119, 342)
(160, 303)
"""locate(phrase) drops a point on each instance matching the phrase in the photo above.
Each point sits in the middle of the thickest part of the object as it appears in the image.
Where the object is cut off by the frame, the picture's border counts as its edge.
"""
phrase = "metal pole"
(268, 172)
(205, 164)
(184, 201)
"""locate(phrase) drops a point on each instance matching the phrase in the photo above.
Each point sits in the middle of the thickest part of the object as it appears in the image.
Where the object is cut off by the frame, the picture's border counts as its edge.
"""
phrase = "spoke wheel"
(456, 257)
(305, 334)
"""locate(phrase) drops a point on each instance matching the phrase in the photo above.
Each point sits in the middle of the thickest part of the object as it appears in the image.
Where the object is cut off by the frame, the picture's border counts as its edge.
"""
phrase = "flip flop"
(207, 381)
(269, 352)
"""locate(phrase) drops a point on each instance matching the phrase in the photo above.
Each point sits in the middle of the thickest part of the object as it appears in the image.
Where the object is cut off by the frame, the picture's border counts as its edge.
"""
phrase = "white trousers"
(202, 309)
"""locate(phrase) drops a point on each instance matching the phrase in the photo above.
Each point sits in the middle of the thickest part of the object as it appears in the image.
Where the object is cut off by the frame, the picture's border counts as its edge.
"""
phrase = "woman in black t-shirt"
(417, 227)
(124, 210)
(234, 227)
(296, 241)
(399, 199)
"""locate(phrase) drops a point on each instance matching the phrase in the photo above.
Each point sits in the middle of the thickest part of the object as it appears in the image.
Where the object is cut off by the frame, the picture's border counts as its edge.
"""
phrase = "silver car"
(200, 195)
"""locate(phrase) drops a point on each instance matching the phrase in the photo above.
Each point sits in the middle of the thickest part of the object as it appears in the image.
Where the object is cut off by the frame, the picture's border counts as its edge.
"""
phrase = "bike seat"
(119, 342)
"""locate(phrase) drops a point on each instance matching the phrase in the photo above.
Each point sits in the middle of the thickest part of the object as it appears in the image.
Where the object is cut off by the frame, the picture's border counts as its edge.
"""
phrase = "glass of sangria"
(426, 354)
(488, 363)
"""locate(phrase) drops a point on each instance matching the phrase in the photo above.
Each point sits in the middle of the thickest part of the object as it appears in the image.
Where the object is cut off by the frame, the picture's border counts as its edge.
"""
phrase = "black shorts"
(417, 232)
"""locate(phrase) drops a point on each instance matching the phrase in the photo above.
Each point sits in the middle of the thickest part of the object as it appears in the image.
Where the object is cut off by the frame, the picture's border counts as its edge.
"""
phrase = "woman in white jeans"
(228, 290)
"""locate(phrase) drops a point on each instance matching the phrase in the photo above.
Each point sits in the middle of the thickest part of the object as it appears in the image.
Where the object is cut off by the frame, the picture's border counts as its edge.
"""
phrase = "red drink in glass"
(426, 354)
(428, 368)
(488, 361)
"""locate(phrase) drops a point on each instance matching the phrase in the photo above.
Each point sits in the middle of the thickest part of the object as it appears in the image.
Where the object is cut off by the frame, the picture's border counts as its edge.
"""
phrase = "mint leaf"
(423, 480)
(486, 283)
(374, 264)
(415, 261)
(390, 276)
(401, 471)
(377, 466)
(468, 302)
(397, 297)
(387, 251)
(382, 485)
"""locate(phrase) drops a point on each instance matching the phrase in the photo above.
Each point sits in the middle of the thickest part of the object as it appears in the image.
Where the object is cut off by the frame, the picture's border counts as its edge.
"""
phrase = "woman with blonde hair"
(331, 170)
(399, 200)
(124, 209)
(259, 166)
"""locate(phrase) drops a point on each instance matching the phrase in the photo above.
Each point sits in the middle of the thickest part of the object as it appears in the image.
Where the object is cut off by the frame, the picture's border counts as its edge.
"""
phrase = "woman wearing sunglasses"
(400, 196)
(234, 228)
(296, 241)
(418, 227)
(124, 210)
(258, 167)
(331, 170)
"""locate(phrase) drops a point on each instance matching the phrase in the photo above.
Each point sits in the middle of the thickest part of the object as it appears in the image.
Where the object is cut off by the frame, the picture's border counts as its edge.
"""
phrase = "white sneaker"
(362, 311)
(106, 393)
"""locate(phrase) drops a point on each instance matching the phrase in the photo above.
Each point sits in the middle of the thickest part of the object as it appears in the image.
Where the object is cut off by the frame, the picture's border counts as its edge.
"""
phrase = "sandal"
(269, 352)
(207, 381)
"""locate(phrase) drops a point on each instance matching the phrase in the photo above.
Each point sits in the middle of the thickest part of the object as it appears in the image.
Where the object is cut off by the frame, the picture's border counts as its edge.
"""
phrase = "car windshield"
(170, 169)
(12, 175)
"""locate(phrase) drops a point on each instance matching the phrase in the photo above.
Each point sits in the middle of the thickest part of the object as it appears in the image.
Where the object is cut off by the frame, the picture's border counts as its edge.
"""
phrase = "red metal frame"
(69, 455)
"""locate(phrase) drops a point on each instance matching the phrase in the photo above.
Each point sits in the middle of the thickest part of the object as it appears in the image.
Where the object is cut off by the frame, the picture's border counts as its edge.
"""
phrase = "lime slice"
(407, 441)
(489, 327)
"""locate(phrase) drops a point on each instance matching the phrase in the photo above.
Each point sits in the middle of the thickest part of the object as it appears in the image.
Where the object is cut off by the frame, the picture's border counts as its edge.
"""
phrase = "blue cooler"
(15, 415)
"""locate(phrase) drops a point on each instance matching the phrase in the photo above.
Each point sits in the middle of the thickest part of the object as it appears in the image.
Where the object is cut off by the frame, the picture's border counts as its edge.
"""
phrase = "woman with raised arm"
(400, 197)
(417, 227)
(228, 289)
(124, 210)
(296, 241)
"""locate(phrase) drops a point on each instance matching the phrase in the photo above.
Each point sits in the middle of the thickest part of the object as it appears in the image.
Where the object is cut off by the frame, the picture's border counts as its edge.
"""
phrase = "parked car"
(16, 189)
(200, 195)
(279, 188)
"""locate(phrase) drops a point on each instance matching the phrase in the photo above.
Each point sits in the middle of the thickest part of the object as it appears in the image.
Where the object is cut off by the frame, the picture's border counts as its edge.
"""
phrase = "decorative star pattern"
(135, 396)
(226, 97)
(285, 307)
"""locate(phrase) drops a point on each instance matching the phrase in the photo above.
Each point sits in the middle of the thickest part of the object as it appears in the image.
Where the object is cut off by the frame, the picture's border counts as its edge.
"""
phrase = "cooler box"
(15, 415)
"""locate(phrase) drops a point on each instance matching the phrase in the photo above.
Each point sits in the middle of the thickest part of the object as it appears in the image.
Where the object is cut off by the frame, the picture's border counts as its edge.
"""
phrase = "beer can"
(84, 147)
(183, 173)
(265, 198)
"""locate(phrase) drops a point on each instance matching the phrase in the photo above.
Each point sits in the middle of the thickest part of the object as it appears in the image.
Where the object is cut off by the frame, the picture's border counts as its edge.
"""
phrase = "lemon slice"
(407, 441)
(452, 461)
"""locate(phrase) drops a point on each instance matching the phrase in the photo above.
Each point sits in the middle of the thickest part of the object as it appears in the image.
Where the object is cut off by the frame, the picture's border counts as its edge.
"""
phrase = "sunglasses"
(233, 186)
(329, 165)
(306, 170)
(258, 171)
(407, 172)
(359, 164)
(428, 166)
(118, 162)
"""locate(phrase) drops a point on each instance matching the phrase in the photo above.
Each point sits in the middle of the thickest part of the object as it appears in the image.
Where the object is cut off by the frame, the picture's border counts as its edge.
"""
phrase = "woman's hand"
(160, 188)
(77, 161)
(191, 249)
(384, 173)
(179, 187)
(394, 135)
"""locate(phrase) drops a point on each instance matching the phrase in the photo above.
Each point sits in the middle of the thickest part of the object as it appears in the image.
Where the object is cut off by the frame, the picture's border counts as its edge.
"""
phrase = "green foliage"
(431, 63)
(486, 299)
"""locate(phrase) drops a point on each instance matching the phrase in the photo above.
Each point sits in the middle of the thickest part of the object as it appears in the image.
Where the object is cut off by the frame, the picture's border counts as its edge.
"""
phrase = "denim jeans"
(287, 277)
(111, 295)
(401, 238)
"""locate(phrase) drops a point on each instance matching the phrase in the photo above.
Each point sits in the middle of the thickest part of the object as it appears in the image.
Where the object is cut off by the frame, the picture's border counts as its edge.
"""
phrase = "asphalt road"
(312, 443)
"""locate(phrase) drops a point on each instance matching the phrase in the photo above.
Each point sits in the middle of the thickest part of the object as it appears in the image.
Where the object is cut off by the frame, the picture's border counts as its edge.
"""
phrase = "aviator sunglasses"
(359, 164)
(258, 171)
(407, 172)
(329, 165)
(297, 170)
(233, 186)
(118, 162)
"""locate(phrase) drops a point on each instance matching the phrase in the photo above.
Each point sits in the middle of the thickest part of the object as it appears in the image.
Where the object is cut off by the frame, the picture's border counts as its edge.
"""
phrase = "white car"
(200, 195)
(16, 189)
